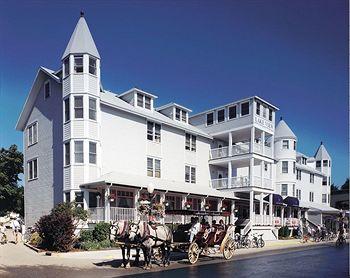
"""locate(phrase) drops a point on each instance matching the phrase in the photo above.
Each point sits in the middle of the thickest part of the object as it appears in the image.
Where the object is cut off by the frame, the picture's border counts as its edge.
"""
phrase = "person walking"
(194, 229)
(15, 229)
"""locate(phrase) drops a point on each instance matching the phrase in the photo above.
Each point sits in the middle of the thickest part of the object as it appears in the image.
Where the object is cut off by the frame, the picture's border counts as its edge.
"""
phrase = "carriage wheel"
(229, 249)
(193, 253)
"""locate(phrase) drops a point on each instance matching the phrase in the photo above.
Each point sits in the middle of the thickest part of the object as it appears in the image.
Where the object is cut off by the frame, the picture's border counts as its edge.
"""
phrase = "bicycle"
(258, 241)
(340, 241)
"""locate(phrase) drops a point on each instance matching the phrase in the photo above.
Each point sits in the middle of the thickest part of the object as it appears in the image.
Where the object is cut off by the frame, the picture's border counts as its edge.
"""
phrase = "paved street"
(314, 260)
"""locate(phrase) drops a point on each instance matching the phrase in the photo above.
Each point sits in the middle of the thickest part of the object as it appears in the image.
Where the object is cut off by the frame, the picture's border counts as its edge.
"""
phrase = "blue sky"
(197, 53)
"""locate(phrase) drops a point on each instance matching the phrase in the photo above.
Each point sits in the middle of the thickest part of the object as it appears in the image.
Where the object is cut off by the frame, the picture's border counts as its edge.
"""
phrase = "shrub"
(101, 231)
(86, 235)
(283, 232)
(35, 239)
(94, 245)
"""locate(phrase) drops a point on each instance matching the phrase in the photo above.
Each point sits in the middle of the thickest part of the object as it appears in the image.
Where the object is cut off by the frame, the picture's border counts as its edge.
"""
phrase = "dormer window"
(270, 114)
(66, 67)
(147, 102)
(180, 115)
(92, 65)
(221, 115)
(143, 101)
(244, 108)
(258, 108)
(318, 163)
(78, 64)
(232, 112)
(210, 118)
(303, 160)
(47, 89)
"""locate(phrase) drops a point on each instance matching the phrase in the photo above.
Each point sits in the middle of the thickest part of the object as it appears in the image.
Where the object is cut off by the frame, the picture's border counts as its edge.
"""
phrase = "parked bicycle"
(340, 240)
(242, 241)
(257, 241)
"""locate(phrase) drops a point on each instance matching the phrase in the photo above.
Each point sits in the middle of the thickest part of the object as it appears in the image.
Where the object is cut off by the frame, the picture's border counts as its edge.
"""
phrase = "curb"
(33, 248)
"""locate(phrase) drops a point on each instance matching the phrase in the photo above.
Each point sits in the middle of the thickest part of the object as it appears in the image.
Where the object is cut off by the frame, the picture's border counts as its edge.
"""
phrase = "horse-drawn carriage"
(209, 240)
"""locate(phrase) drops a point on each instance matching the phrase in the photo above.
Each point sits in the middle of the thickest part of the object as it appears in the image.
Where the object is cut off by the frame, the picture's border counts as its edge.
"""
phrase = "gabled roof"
(41, 76)
(112, 100)
(283, 131)
(322, 153)
(171, 104)
(81, 41)
(132, 90)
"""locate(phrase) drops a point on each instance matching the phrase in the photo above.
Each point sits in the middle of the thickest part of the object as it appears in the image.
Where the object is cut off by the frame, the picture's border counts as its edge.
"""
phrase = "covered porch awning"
(291, 201)
(276, 199)
(171, 186)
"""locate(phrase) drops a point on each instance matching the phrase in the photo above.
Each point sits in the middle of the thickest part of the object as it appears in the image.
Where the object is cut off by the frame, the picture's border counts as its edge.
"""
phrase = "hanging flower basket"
(111, 197)
(188, 205)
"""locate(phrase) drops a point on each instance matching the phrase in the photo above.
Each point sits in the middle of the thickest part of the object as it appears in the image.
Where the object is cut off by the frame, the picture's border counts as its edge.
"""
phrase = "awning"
(291, 201)
(276, 199)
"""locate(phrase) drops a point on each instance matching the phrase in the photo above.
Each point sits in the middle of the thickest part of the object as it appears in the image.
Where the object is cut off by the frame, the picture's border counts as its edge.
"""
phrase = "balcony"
(239, 182)
(262, 220)
(239, 150)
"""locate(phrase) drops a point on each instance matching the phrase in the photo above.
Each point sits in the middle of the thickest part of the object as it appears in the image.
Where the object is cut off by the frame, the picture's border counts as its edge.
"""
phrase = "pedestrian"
(194, 229)
(15, 229)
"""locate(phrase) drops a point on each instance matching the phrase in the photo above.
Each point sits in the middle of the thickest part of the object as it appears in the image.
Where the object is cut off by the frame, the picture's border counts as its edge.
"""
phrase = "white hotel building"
(102, 149)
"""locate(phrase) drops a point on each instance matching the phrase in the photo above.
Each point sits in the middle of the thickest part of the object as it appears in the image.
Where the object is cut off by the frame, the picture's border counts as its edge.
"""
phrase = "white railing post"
(230, 143)
(229, 174)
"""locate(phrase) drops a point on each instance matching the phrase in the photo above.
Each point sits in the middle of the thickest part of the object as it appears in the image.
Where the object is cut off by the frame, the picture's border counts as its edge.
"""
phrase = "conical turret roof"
(81, 40)
(283, 131)
(321, 153)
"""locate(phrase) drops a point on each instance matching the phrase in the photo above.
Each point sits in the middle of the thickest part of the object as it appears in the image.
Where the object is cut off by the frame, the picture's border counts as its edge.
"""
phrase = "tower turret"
(324, 165)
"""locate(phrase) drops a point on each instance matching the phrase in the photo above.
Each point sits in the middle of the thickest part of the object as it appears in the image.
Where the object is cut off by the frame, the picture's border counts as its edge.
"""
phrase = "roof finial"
(281, 118)
(81, 13)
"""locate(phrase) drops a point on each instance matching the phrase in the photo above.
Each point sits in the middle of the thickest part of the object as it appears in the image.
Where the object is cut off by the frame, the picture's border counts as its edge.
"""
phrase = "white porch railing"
(116, 214)
(291, 221)
(240, 149)
(97, 214)
(262, 220)
(257, 148)
(268, 151)
(219, 152)
(219, 183)
(267, 183)
(235, 182)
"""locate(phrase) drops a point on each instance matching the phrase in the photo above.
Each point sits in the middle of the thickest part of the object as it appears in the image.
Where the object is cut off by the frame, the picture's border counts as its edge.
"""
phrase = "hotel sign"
(263, 123)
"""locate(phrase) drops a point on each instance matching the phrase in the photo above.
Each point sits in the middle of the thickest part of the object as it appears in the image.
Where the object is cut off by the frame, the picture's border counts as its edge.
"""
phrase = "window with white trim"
(312, 178)
(311, 196)
(67, 154)
(143, 101)
(244, 108)
(79, 151)
(294, 167)
(180, 115)
(264, 111)
(221, 115)
(285, 144)
(210, 118)
(232, 112)
(318, 163)
(92, 66)
(293, 189)
(324, 181)
(92, 152)
(148, 102)
(298, 174)
(284, 189)
(191, 142)
(92, 108)
(33, 134)
(79, 199)
(78, 64)
(299, 194)
(153, 167)
(325, 163)
(285, 167)
(78, 107)
(190, 174)
(66, 67)
(47, 89)
(270, 114)
(153, 132)
(66, 110)
(258, 108)
(33, 169)
(294, 145)
(324, 198)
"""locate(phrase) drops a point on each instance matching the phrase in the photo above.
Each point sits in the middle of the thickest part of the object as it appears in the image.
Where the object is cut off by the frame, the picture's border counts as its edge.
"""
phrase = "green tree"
(345, 186)
(11, 193)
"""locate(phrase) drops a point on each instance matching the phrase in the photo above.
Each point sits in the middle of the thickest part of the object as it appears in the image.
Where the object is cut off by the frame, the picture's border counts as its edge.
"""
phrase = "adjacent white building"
(102, 149)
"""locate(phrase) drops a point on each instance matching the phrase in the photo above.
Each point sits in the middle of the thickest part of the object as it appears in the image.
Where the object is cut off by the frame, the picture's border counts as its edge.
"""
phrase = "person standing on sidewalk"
(15, 229)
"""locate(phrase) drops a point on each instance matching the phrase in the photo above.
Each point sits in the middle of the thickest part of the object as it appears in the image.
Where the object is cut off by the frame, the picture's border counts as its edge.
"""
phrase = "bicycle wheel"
(261, 243)
(247, 243)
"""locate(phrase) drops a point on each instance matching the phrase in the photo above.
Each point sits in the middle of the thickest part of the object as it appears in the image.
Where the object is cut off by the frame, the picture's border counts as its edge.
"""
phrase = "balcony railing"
(262, 220)
(235, 182)
(116, 214)
(224, 151)
(219, 183)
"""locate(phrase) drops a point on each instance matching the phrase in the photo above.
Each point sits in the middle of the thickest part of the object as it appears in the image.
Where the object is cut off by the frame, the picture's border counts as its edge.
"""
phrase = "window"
(153, 167)
(78, 108)
(264, 111)
(285, 144)
(325, 163)
(174, 202)
(221, 115)
(153, 131)
(66, 67)
(328, 197)
(324, 198)
(33, 134)
(311, 196)
(92, 109)
(47, 89)
(324, 181)
(92, 152)
(244, 108)
(298, 174)
(67, 154)
(92, 66)
(270, 114)
(190, 174)
(139, 100)
(312, 178)
(79, 151)
(293, 190)
(79, 199)
(299, 194)
(125, 199)
(294, 168)
(190, 142)
(66, 110)
(180, 115)
(294, 145)
(258, 108)
(177, 114)
(33, 169)
(210, 118)
(232, 112)
(318, 163)
(184, 116)
(78, 64)
(147, 102)
(67, 195)
(303, 160)
(284, 189)
(284, 166)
